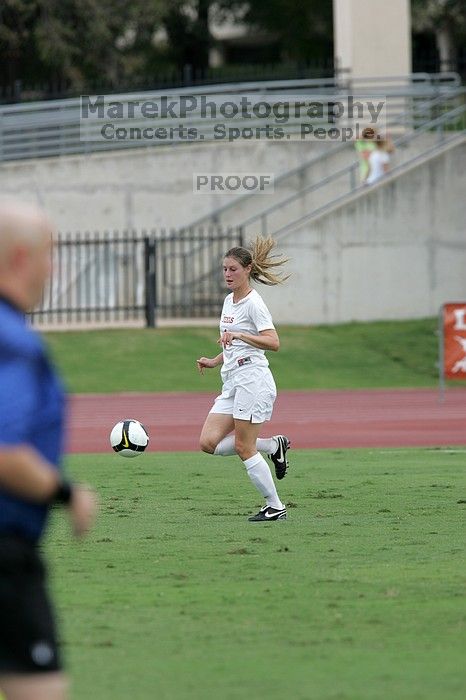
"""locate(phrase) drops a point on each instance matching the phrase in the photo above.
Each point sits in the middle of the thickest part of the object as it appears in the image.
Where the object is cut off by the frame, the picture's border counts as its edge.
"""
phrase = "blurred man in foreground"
(32, 405)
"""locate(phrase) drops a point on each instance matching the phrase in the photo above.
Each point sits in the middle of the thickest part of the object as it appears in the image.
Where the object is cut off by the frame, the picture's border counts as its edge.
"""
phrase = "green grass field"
(354, 355)
(175, 596)
(358, 596)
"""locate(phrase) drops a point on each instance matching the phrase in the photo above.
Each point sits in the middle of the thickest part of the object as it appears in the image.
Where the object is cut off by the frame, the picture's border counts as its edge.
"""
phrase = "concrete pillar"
(372, 37)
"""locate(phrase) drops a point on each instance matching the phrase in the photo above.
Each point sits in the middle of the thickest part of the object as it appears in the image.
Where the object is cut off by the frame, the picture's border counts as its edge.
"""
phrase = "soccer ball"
(129, 438)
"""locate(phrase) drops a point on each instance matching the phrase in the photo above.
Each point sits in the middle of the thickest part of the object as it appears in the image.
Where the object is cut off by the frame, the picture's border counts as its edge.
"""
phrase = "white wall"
(395, 251)
(142, 188)
(147, 188)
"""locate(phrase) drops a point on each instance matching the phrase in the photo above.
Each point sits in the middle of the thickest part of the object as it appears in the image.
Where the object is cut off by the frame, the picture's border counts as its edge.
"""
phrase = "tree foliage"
(79, 41)
(105, 42)
(187, 27)
(432, 14)
(446, 19)
(302, 28)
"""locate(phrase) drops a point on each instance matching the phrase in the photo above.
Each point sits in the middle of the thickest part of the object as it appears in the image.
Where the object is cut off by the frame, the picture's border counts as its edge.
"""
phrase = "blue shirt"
(32, 407)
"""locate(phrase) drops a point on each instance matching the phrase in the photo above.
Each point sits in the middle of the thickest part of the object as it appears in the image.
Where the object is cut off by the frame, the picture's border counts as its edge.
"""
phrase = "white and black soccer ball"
(129, 438)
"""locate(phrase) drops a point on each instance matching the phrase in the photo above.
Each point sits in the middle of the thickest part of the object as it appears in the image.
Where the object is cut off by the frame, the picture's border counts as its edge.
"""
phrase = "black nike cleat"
(279, 456)
(267, 513)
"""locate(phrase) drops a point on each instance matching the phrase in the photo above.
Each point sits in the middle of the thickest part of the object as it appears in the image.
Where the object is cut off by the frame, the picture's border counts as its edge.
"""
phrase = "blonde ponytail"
(263, 262)
(258, 255)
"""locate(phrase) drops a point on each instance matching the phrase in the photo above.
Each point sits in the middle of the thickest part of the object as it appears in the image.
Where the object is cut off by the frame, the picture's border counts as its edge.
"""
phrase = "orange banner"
(454, 341)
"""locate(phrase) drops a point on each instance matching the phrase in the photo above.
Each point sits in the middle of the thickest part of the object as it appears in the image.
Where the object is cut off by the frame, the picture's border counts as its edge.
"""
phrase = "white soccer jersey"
(249, 315)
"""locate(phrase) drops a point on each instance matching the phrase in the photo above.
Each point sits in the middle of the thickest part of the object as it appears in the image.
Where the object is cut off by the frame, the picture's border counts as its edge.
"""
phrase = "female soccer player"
(249, 391)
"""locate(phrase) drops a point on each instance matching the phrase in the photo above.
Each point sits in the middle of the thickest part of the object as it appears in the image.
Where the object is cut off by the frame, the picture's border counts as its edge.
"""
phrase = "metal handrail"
(433, 78)
(338, 200)
(50, 128)
(299, 170)
(439, 121)
(447, 80)
(401, 141)
(20, 92)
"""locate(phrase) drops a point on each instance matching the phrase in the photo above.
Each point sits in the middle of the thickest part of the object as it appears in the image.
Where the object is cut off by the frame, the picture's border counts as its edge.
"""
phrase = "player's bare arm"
(26, 474)
(209, 362)
(266, 340)
(82, 509)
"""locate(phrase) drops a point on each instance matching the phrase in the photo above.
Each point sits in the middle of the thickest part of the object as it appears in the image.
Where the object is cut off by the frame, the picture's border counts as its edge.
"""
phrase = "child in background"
(379, 160)
(364, 147)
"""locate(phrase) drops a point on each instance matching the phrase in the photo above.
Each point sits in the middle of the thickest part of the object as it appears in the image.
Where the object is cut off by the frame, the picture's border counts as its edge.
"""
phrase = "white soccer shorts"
(248, 393)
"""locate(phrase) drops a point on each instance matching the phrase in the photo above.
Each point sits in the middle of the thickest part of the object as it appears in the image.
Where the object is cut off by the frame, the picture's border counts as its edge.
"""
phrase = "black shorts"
(28, 640)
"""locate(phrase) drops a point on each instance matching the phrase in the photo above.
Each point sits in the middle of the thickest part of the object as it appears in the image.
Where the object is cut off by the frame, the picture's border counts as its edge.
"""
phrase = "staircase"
(421, 121)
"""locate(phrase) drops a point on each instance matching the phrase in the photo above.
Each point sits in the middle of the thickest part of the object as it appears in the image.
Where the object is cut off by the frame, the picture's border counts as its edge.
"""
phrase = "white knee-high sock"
(267, 445)
(261, 476)
(226, 447)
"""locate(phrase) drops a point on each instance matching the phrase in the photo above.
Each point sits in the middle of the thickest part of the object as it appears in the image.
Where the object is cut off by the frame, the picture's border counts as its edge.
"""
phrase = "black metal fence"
(102, 278)
(23, 91)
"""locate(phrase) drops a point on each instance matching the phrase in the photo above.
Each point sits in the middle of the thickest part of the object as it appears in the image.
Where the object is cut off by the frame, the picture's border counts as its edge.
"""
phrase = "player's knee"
(207, 445)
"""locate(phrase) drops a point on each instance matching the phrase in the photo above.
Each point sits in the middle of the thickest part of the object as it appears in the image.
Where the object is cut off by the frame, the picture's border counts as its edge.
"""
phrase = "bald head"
(23, 224)
(25, 246)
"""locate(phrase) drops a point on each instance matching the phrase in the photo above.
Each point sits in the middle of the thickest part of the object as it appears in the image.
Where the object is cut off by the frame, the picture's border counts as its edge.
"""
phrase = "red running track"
(312, 419)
